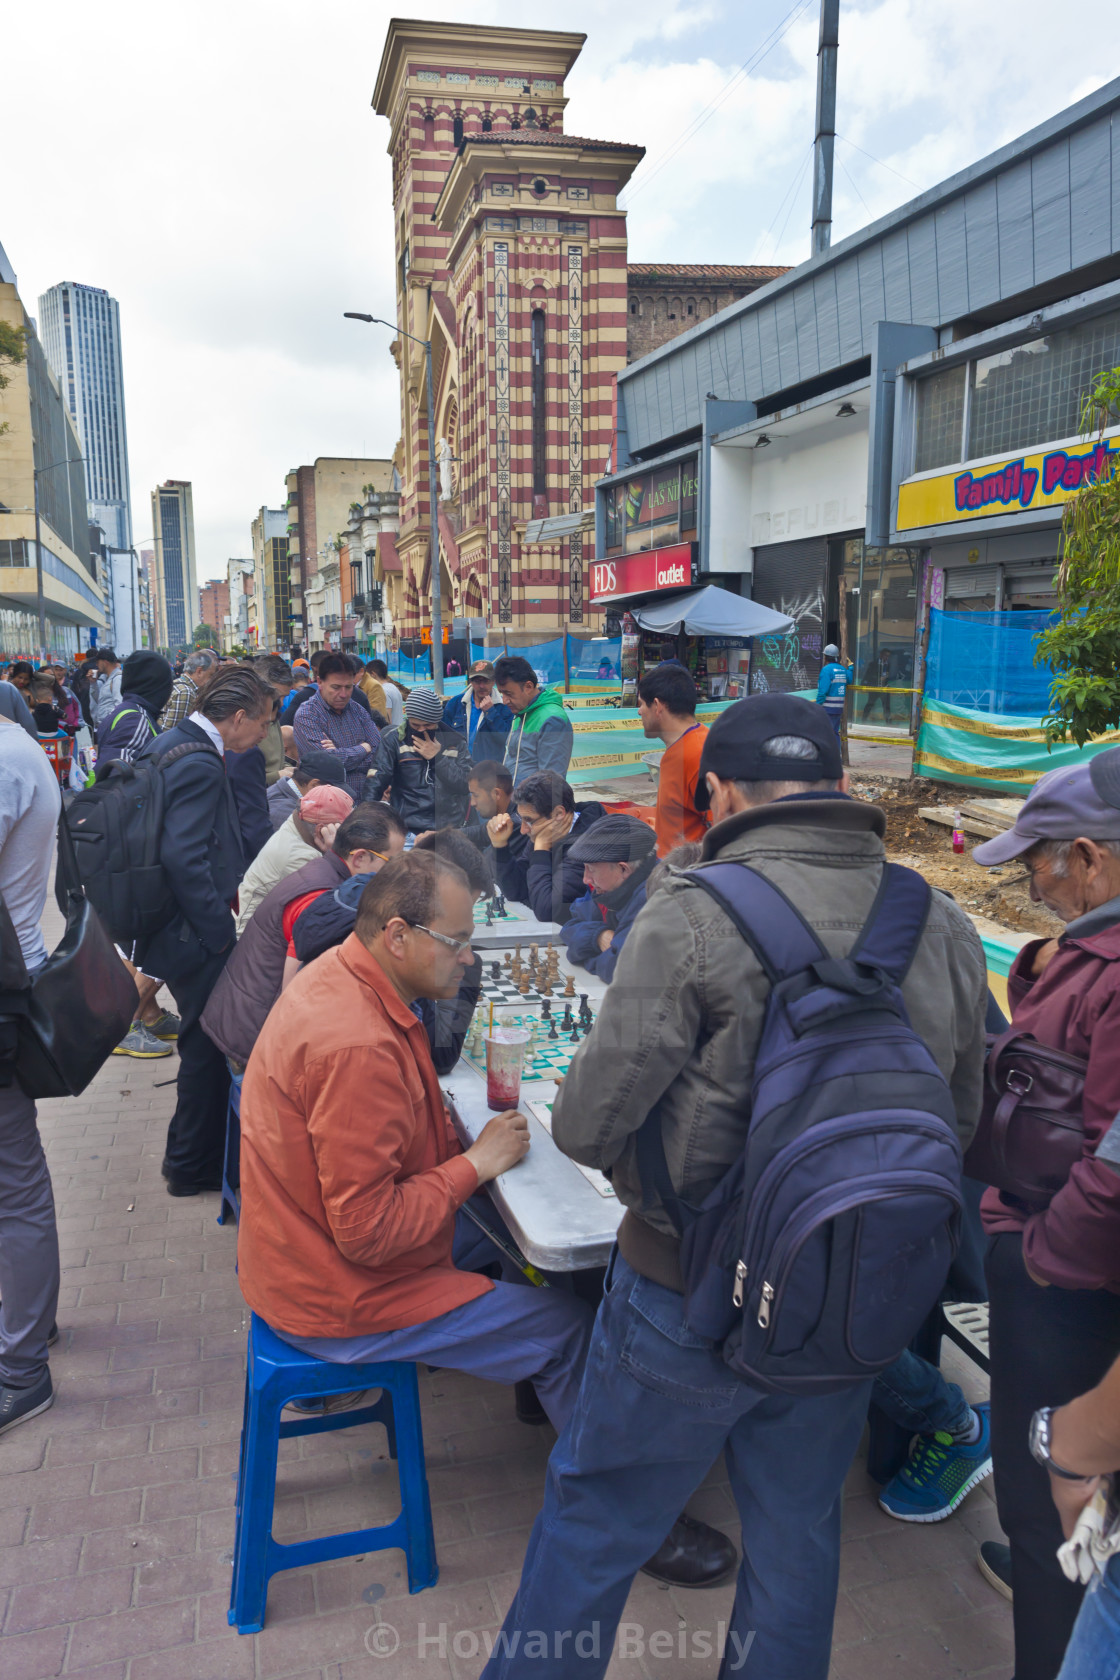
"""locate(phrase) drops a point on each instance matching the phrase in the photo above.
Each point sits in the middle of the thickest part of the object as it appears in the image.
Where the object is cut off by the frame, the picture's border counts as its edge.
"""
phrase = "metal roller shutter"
(790, 577)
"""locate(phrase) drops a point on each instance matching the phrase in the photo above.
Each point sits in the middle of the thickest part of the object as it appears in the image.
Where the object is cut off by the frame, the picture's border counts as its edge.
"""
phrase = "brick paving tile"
(116, 1507)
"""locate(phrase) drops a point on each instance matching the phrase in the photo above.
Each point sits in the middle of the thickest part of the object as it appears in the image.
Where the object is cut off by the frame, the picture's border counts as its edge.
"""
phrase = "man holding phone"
(424, 767)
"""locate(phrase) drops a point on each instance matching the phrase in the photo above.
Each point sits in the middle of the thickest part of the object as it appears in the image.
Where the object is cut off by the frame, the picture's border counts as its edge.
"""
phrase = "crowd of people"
(325, 840)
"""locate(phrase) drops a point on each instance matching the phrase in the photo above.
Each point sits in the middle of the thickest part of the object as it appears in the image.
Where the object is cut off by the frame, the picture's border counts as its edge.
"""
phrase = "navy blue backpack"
(824, 1246)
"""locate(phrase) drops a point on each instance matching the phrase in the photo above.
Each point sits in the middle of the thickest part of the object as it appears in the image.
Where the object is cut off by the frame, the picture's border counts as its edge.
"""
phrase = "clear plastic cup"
(505, 1052)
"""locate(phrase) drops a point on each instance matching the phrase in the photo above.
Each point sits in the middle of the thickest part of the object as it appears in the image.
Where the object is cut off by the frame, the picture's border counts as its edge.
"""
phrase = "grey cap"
(614, 839)
(1063, 805)
(423, 705)
(1104, 768)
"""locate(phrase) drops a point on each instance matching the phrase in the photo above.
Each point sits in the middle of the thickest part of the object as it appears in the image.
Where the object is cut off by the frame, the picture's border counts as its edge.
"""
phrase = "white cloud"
(219, 169)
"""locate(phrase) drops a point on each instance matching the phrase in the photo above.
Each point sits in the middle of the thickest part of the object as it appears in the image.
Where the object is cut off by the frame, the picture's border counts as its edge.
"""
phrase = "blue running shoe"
(938, 1475)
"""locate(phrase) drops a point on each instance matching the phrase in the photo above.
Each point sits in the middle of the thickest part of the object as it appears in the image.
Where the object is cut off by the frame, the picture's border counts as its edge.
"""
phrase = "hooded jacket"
(689, 997)
(424, 792)
(548, 882)
(146, 679)
(595, 911)
(540, 738)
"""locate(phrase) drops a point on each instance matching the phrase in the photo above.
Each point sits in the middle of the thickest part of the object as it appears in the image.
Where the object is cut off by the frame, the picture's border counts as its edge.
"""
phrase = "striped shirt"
(347, 730)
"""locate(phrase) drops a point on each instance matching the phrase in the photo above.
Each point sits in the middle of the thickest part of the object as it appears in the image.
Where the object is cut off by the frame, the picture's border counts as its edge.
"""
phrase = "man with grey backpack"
(779, 1082)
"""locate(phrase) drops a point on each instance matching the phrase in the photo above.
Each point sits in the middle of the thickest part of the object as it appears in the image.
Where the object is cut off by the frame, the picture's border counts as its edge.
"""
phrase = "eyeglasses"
(455, 945)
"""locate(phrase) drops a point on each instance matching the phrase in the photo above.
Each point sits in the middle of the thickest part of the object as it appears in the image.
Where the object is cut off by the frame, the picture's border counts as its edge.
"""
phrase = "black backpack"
(117, 826)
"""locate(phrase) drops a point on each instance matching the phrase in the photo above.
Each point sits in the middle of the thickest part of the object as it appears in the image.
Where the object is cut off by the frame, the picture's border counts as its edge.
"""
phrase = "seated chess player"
(331, 919)
(351, 1173)
(535, 866)
(617, 855)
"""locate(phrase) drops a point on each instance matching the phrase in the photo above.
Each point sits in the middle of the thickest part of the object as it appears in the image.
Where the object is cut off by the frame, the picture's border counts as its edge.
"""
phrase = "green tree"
(1083, 648)
(12, 352)
(206, 636)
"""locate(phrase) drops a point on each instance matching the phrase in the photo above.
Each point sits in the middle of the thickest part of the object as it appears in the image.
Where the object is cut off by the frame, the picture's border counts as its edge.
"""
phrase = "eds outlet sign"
(637, 574)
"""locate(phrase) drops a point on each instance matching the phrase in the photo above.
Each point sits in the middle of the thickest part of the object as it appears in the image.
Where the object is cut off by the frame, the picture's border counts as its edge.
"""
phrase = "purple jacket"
(1074, 1005)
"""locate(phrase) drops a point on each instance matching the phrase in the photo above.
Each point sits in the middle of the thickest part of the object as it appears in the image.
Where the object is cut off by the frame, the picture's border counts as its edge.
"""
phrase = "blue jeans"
(657, 1406)
(915, 1395)
(1093, 1652)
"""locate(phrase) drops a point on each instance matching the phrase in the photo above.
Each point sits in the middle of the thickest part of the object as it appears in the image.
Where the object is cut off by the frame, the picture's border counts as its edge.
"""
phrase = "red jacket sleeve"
(1075, 1242)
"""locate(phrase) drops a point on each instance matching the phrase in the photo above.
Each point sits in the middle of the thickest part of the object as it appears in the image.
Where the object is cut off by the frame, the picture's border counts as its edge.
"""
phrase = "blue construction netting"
(985, 660)
(587, 660)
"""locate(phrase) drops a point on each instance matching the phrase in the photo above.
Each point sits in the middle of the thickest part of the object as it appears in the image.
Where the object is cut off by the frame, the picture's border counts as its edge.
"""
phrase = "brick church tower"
(511, 258)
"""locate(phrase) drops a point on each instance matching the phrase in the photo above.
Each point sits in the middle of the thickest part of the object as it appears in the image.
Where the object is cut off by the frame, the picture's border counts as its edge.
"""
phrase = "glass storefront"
(881, 594)
(652, 509)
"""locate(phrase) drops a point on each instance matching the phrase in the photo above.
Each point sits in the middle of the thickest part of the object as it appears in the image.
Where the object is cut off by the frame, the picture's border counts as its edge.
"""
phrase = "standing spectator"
(108, 686)
(200, 850)
(374, 693)
(198, 670)
(477, 714)
(312, 770)
(425, 769)
(394, 699)
(84, 684)
(1054, 1271)
(29, 1275)
(296, 842)
(14, 707)
(667, 708)
(146, 679)
(617, 856)
(833, 684)
(277, 673)
(660, 1403)
(331, 721)
(540, 737)
(20, 676)
(44, 706)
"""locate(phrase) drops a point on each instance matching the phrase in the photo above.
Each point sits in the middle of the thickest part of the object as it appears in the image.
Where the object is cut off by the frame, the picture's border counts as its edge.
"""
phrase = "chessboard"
(523, 980)
(545, 1058)
(489, 912)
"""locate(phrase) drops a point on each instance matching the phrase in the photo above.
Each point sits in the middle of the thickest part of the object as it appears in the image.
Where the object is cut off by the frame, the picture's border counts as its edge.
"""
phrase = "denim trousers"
(915, 1395)
(656, 1407)
(1093, 1652)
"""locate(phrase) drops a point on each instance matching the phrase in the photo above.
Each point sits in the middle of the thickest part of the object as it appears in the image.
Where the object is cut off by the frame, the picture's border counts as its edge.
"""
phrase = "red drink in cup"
(505, 1051)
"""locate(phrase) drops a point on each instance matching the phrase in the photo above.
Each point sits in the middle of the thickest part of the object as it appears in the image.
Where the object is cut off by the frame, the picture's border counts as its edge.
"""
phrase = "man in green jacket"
(541, 737)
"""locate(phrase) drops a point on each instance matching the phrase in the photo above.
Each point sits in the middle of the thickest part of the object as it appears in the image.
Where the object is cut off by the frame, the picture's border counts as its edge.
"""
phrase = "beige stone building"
(318, 507)
(37, 435)
(666, 299)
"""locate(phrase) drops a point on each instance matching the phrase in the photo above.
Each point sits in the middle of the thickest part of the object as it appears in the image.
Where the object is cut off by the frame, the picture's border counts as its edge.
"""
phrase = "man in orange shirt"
(667, 708)
(351, 1173)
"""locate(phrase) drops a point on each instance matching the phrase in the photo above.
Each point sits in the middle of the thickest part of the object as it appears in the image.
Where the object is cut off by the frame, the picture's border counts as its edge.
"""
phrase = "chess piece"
(517, 952)
(552, 1033)
(584, 1007)
(574, 1038)
(570, 988)
(567, 1023)
(546, 989)
(489, 914)
(495, 971)
(524, 987)
(534, 954)
(508, 963)
(546, 1010)
(499, 904)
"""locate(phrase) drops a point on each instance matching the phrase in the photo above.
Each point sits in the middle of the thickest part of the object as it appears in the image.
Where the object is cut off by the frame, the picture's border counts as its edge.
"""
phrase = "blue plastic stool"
(278, 1373)
(231, 1158)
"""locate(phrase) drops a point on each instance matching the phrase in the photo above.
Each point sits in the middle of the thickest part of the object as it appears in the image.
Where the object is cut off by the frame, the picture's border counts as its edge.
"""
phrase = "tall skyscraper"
(173, 528)
(80, 328)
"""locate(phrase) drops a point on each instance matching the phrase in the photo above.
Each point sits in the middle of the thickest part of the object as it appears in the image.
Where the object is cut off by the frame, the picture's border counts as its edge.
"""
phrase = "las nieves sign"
(637, 574)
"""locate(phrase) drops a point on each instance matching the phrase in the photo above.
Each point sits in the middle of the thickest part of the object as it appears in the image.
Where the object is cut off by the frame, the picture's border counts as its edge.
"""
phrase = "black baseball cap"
(322, 767)
(733, 749)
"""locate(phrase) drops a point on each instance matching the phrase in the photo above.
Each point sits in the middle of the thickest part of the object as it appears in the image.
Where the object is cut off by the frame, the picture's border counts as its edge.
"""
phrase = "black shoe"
(693, 1554)
(180, 1187)
(993, 1560)
(19, 1404)
(526, 1403)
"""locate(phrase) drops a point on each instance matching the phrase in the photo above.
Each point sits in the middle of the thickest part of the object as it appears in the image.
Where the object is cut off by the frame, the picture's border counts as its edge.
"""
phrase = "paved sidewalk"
(116, 1507)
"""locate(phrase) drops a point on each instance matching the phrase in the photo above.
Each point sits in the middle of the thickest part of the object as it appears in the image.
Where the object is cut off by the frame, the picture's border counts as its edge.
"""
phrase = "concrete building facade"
(39, 443)
(81, 332)
(666, 299)
(176, 568)
(511, 258)
(319, 502)
(271, 571)
(213, 605)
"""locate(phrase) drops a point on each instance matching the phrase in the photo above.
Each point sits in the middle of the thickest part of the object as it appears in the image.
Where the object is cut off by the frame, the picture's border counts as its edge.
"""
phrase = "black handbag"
(76, 1009)
(1031, 1130)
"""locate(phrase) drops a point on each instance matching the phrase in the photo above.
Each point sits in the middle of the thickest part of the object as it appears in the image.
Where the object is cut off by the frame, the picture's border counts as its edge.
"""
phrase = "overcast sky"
(218, 168)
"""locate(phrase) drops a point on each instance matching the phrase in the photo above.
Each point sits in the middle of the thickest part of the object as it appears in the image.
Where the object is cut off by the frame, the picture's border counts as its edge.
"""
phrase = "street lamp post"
(433, 491)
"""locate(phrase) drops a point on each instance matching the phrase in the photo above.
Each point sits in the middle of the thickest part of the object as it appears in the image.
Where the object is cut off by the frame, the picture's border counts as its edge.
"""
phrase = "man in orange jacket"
(352, 1176)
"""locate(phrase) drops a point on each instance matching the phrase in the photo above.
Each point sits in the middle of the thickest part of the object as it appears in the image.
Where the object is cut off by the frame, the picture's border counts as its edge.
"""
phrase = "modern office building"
(320, 499)
(40, 449)
(273, 586)
(173, 528)
(80, 328)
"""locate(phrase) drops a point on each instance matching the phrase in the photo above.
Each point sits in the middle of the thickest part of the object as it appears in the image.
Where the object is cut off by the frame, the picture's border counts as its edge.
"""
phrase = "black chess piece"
(495, 971)
(552, 1033)
(499, 904)
(489, 912)
(574, 1038)
(567, 1023)
(584, 1007)
(546, 1010)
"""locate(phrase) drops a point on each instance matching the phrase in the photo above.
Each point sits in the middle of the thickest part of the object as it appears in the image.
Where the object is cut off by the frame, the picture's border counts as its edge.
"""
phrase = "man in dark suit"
(203, 859)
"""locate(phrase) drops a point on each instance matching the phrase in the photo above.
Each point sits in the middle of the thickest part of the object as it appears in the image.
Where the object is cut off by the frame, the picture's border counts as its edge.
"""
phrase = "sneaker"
(993, 1560)
(938, 1475)
(320, 1404)
(138, 1041)
(165, 1025)
(19, 1404)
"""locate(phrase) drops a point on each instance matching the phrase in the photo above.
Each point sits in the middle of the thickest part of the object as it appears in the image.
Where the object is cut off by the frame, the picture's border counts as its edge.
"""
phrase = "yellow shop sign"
(1045, 479)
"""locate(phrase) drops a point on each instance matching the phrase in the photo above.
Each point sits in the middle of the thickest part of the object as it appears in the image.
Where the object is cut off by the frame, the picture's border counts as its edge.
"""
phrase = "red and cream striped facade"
(509, 243)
